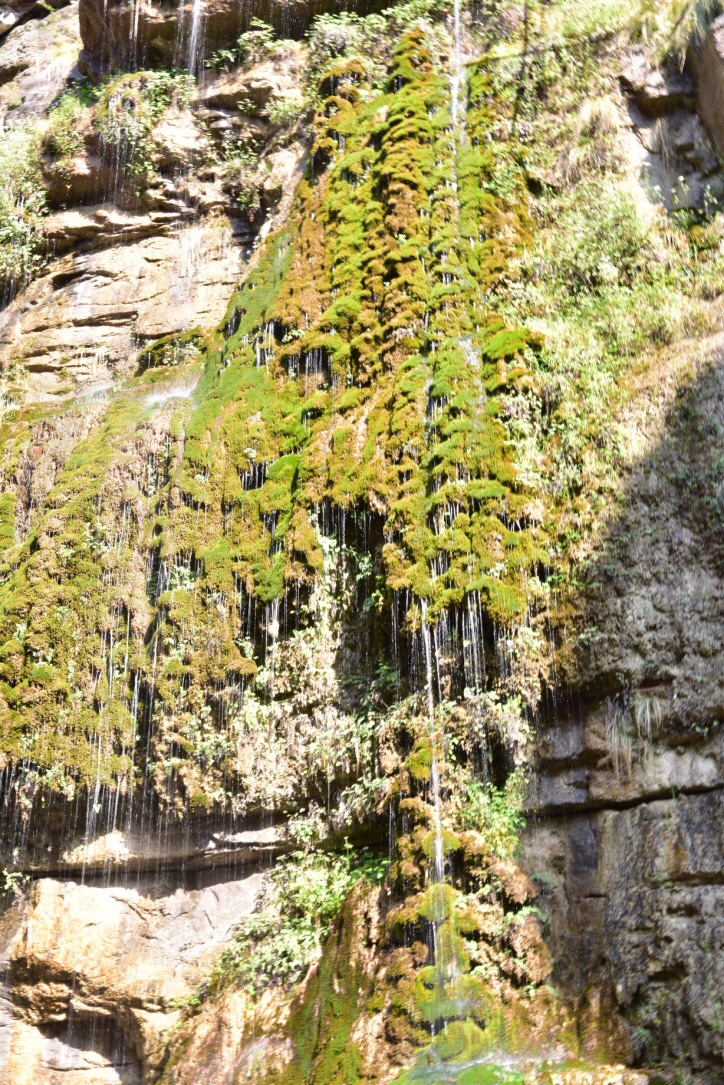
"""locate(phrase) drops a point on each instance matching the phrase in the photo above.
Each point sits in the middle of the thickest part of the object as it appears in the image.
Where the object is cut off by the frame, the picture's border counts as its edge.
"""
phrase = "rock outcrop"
(708, 63)
(36, 60)
(133, 265)
(672, 149)
(133, 35)
(98, 974)
(628, 804)
(82, 324)
(16, 11)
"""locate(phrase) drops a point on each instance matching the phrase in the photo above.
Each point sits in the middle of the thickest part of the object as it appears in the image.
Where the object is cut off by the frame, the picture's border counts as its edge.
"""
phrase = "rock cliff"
(361, 544)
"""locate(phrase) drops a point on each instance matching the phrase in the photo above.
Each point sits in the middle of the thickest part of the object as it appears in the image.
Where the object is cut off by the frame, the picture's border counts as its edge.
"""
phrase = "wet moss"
(359, 367)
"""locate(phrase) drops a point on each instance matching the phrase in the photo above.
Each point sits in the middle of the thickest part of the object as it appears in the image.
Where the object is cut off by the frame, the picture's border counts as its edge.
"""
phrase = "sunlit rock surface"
(83, 324)
(97, 973)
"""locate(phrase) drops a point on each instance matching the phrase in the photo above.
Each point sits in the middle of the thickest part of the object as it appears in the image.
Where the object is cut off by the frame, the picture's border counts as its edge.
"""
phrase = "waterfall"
(457, 67)
(438, 864)
(196, 39)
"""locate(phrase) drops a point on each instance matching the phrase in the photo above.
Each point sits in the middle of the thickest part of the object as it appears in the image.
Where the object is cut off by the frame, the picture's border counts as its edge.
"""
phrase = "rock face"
(669, 147)
(38, 58)
(82, 324)
(636, 904)
(710, 79)
(15, 11)
(629, 799)
(129, 35)
(133, 265)
(96, 974)
(656, 92)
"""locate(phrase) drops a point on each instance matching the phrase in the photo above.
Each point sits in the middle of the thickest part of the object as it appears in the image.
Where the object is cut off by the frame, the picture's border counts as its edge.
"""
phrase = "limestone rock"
(94, 975)
(178, 141)
(657, 92)
(282, 166)
(121, 33)
(15, 11)
(103, 225)
(710, 82)
(659, 621)
(636, 909)
(86, 178)
(39, 56)
(83, 320)
(278, 78)
(628, 794)
(126, 34)
(691, 141)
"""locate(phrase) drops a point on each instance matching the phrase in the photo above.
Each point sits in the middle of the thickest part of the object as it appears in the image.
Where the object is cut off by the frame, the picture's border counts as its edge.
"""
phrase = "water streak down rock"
(124, 34)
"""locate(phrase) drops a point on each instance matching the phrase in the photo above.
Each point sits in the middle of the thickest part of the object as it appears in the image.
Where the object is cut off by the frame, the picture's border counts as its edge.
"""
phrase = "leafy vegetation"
(128, 108)
(303, 896)
(253, 46)
(63, 136)
(610, 277)
(494, 812)
(22, 206)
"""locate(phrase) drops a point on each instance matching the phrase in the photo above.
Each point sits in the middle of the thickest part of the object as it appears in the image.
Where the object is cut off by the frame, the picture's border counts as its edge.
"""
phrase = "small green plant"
(10, 881)
(303, 895)
(242, 179)
(494, 812)
(22, 206)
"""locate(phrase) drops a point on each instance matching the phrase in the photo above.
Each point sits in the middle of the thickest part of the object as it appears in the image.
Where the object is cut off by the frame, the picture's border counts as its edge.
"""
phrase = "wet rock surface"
(628, 803)
(97, 973)
(636, 901)
(128, 35)
(36, 60)
(83, 323)
(126, 265)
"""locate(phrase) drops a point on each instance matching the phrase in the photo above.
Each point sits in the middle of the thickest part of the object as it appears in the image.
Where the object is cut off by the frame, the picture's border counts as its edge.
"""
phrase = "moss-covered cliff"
(327, 362)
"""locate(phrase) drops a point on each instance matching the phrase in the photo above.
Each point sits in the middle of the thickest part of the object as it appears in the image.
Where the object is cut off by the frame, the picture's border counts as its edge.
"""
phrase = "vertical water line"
(438, 868)
(196, 39)
(456, 66)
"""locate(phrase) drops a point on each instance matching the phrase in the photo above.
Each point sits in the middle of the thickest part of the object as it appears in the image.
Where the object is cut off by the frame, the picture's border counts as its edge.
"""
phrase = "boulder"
(691, 141)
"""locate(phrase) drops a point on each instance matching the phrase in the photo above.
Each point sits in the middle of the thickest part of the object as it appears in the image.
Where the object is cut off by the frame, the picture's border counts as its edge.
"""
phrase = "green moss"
(357, 367)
